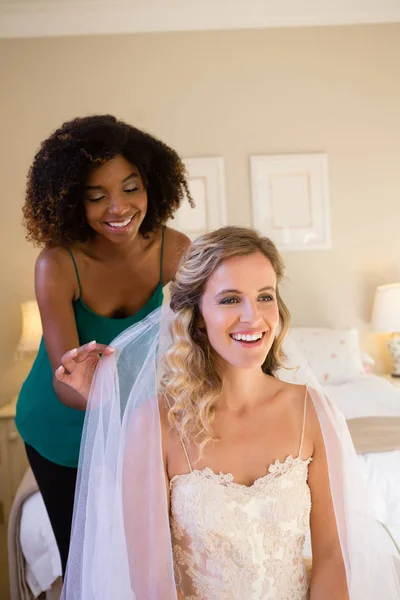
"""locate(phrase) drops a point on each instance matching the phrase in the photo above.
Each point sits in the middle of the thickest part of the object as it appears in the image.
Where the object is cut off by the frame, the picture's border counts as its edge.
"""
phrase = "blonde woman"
(208, 492)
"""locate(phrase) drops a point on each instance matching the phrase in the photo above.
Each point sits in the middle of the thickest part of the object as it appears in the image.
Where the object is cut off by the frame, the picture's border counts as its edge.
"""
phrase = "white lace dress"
(233, 542)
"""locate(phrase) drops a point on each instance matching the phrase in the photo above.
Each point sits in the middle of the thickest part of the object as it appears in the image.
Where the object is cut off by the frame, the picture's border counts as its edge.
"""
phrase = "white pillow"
(368, 362)
(333, 354)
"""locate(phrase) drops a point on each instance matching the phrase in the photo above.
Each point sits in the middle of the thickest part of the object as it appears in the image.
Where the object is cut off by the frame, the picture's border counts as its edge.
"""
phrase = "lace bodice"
(233, 542)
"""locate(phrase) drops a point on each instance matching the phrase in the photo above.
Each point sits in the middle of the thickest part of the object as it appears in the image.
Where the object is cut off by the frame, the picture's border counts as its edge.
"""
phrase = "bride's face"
(240, 310)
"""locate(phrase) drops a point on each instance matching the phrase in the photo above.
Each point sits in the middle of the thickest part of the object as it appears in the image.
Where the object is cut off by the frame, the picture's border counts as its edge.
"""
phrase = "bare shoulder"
(294, 396)
(54, 267)
(292, 392)
(166, 430)
(52, 258)
(300, 398)
(163, 410)
(314, 425)
(177, 239)
(299, 403)
(175, 245)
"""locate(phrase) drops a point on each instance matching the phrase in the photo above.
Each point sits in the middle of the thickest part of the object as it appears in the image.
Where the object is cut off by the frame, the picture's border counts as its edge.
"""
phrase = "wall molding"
(97, 17)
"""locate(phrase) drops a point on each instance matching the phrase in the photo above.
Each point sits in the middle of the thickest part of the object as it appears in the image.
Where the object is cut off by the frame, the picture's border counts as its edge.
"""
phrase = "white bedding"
(365, 396)
(43, 564)
(372, 396)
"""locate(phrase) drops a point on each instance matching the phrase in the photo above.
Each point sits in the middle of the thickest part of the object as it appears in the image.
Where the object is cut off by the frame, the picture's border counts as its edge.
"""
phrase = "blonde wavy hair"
(191, 381)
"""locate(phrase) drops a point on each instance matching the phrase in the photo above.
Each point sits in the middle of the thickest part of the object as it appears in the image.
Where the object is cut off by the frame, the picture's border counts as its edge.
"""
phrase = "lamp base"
(394, 349)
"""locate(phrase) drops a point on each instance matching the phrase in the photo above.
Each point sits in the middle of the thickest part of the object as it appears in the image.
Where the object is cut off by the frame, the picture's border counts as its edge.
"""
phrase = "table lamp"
(31, 334)
(386, 319)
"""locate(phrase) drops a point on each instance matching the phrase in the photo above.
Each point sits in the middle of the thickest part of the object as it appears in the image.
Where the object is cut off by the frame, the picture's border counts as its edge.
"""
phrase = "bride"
(200, 479)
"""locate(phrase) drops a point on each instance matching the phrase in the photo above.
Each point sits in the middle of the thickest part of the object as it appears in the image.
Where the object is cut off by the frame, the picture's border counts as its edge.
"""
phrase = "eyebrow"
(266, 288)
(99, 187)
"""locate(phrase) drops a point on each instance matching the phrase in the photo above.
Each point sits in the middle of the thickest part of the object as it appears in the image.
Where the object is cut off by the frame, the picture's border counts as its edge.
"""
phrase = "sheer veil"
(121, 545)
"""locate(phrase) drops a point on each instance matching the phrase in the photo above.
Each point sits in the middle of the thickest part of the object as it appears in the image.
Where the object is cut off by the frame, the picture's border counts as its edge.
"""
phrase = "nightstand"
(393, 380)
(13, 461)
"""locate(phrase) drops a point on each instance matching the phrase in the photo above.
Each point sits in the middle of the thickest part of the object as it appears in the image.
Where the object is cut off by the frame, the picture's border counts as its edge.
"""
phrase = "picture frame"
(206, 180)
(290, 200)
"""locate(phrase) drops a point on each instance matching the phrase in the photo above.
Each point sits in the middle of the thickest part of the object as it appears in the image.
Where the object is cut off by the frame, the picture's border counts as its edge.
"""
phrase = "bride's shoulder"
(297, 397)
(292, 392)
(163, 408)
(298, 400)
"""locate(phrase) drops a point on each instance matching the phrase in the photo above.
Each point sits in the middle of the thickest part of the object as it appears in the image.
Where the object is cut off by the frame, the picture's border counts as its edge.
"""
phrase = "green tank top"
(51, 428)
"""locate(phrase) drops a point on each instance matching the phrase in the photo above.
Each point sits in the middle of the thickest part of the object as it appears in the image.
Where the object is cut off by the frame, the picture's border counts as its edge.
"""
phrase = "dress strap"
(182, 443)
(76, 271)
(304, 423)
(162, 254)
(186, 454)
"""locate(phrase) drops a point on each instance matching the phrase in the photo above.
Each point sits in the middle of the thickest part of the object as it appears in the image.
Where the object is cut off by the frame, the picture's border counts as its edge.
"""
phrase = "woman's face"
(115, 200)
(240, 310)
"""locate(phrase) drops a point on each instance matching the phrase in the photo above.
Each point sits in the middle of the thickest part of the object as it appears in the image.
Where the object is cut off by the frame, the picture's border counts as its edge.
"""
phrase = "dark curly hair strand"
(54, 212)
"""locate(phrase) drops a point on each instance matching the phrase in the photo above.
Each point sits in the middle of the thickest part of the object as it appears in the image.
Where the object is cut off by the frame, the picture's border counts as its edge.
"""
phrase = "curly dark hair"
(54, 212)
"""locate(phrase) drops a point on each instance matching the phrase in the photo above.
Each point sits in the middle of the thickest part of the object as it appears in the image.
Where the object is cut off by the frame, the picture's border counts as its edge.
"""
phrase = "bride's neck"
(241, 388)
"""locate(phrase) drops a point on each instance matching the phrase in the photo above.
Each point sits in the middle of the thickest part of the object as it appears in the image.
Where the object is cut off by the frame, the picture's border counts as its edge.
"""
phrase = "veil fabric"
(121, 543)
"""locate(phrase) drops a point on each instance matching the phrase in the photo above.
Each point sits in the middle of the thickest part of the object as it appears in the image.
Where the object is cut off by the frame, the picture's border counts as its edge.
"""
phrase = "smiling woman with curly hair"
(54, 210)
(99, 195)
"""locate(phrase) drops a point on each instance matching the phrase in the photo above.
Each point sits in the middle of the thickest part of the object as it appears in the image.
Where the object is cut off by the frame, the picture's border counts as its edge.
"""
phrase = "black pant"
(57, 486)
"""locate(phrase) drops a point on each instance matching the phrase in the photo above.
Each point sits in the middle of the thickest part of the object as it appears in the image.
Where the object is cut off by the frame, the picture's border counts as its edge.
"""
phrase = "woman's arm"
(328, 576)
(55, 288)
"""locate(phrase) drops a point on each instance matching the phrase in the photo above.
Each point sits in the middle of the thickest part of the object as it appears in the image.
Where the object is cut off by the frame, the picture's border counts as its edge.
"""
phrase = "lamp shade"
(386, 311)
(31, 328)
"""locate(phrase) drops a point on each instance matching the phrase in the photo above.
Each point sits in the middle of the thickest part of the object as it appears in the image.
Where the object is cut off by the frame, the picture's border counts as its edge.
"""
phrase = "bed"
(365, 399)
(34, 561)
(371, 406)
(372, 396)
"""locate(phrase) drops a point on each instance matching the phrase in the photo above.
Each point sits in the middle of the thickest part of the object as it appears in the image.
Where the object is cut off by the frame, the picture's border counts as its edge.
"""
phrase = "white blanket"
(366, 396)
(43, 564)
(372, 396)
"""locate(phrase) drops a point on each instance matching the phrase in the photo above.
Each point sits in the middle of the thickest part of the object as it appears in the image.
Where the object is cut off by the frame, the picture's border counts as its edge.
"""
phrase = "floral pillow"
(333, 354)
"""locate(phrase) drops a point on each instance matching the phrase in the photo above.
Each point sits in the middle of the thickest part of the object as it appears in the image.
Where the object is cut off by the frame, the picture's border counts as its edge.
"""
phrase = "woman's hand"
(78, 366)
